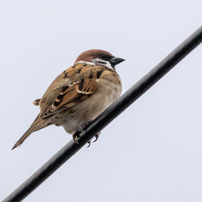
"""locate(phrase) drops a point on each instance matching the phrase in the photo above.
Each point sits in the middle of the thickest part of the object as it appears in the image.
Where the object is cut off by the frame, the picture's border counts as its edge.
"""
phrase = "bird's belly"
(90, 108)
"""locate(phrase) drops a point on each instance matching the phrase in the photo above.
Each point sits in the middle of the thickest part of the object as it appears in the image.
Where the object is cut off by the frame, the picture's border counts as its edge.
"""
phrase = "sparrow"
(79, 94)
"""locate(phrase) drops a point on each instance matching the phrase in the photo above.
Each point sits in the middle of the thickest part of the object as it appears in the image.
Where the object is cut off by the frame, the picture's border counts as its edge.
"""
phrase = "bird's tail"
(39, 123)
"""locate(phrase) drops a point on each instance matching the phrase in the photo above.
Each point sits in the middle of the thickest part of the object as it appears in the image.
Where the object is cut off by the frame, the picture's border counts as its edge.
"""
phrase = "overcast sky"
(151, 152)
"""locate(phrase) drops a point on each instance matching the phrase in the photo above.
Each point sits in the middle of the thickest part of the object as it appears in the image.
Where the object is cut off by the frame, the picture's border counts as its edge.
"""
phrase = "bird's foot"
(75, 136)
(96, 138)
(84, 125)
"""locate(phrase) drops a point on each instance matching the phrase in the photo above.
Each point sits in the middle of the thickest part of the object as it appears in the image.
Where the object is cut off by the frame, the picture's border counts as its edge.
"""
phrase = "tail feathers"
(38, 124)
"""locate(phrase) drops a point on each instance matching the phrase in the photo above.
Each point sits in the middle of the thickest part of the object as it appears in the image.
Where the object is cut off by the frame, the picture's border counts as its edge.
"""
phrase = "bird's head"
(99, 57)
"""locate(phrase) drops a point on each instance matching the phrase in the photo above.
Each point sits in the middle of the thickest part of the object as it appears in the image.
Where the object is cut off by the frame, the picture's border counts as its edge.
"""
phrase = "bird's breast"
(109, 90)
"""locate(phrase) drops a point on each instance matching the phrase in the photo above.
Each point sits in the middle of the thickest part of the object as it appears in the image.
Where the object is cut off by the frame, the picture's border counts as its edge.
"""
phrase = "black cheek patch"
(102, 62)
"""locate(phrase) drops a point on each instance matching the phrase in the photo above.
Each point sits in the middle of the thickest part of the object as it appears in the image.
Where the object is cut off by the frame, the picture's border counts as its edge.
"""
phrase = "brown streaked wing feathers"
(87, 87)
(74, 94)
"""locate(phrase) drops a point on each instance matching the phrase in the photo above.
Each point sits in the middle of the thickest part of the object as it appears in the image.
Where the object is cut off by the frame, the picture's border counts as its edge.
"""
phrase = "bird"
(79, 94)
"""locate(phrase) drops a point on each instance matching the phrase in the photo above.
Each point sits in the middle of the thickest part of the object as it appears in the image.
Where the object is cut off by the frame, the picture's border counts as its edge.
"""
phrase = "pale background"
(151, 152)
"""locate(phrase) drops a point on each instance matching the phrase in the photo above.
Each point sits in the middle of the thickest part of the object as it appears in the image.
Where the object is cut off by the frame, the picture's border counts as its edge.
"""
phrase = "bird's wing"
(36, 102)
(83, 81)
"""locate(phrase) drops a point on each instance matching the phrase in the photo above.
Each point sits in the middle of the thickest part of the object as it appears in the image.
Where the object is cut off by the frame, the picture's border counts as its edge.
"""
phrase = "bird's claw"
(96, 138)
(89, 143)
(75, 136)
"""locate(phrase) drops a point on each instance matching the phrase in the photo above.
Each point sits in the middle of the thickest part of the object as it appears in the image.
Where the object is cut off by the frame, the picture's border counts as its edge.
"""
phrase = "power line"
(107, 116)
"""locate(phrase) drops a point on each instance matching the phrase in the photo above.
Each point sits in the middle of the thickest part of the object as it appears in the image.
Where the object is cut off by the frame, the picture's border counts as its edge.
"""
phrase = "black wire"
(106, 117)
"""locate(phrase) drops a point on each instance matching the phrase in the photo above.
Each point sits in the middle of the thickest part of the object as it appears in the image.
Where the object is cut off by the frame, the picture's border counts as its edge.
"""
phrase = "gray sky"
(151, 152)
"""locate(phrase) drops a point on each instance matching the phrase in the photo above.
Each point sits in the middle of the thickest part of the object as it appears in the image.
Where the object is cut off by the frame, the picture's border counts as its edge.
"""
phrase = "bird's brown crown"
(89, 55)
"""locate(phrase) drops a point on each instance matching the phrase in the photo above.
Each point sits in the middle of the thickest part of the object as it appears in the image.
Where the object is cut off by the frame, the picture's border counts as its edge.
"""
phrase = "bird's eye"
(103, 57)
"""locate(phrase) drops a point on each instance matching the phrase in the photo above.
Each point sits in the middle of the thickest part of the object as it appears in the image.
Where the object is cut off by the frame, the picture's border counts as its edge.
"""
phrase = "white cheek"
(108, 65)
(104, 63)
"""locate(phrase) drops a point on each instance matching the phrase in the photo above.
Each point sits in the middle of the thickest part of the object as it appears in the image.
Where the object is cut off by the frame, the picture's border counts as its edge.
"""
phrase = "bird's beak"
(114, 61)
